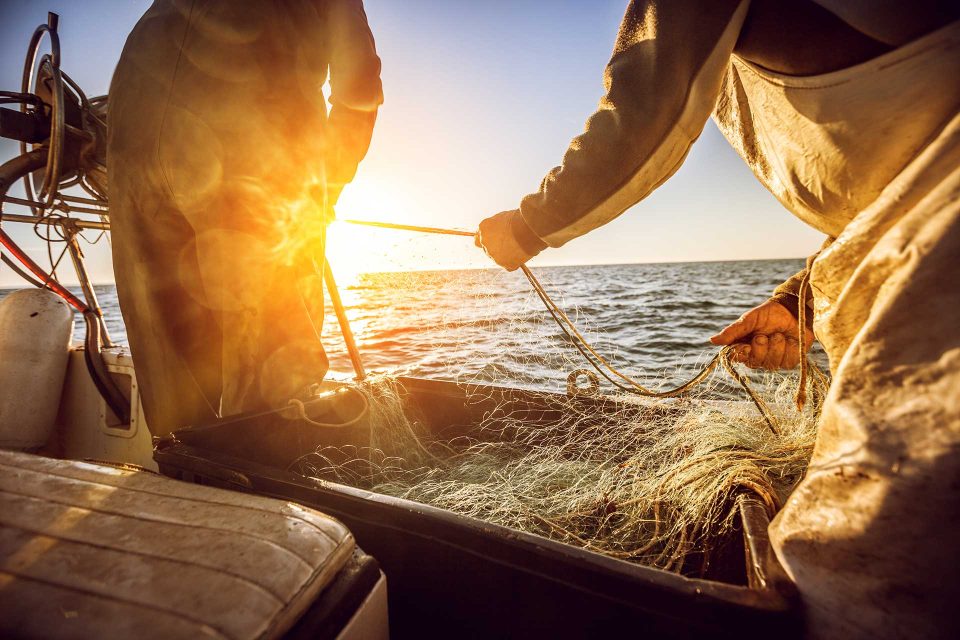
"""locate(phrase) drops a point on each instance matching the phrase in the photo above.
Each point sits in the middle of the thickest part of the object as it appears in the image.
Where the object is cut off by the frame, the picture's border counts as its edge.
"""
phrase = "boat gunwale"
(694, 602)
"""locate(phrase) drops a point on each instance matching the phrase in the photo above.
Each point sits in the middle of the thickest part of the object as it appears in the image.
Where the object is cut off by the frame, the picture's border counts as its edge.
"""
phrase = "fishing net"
(648, 480)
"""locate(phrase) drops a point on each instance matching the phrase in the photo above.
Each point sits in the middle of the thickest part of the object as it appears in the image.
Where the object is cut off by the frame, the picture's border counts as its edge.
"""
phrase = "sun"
(351, 253)
(353, 250)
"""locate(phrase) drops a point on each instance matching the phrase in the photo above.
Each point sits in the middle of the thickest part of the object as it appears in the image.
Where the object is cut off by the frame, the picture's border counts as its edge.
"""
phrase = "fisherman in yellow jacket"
(849, 113)
(224, 168)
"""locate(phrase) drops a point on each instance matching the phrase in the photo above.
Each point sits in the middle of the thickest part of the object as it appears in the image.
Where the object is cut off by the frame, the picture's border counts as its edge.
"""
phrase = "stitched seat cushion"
(89, 550)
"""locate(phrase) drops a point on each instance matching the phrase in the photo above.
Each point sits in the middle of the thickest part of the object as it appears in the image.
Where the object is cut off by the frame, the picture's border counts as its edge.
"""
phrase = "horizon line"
(496, 267)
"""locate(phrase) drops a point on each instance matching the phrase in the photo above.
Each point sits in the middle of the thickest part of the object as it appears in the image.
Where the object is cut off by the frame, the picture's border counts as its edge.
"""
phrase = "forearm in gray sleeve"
(661, 85)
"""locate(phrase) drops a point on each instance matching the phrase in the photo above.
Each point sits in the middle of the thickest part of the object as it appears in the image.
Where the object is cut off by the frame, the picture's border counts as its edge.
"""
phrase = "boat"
(92, 537)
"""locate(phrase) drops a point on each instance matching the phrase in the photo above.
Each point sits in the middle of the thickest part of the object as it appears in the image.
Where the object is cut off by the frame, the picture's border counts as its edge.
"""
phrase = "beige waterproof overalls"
(870, 156)
(223, 163)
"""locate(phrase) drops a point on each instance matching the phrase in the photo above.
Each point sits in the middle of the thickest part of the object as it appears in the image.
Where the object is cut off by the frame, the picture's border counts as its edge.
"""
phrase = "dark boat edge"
(664, 603)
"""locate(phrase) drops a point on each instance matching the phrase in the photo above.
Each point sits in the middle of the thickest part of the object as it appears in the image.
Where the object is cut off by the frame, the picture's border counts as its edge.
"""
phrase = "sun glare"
(354, 250)
(351, 251)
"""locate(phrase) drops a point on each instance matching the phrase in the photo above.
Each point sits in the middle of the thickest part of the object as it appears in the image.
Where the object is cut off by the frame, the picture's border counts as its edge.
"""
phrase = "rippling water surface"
(653, 319)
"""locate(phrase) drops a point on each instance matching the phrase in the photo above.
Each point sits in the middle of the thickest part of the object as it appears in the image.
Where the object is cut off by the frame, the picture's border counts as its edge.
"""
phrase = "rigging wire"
(37, 271)
(20, 272)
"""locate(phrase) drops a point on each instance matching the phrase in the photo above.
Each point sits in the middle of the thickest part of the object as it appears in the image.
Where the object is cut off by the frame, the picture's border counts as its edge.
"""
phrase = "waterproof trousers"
(870, 535)
(224, 163)
(217, 236)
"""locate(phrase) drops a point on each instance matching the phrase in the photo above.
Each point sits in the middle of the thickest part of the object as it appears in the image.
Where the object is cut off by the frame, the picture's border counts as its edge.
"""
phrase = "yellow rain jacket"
(223, 161)
(870, 156)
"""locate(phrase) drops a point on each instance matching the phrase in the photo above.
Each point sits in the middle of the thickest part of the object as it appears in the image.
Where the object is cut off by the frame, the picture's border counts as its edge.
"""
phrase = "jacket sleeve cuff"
(791, 302)
(524, 235)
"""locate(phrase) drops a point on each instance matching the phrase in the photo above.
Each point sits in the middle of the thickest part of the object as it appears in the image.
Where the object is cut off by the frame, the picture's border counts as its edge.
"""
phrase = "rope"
(801, 397)
(411, 227)
(302, 412)
(20, 272)
(610, 372)
(589, 353)
(605, 369)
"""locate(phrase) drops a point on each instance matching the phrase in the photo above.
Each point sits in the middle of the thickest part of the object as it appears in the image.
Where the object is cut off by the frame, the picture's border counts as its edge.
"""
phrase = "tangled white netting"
(645, 480)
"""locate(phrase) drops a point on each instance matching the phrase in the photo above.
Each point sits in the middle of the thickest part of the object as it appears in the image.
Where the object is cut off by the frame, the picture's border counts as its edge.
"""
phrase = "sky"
(481, 100)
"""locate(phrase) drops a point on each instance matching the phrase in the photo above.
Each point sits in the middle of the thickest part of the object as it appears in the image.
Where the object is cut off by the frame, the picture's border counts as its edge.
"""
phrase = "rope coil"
(301, 410)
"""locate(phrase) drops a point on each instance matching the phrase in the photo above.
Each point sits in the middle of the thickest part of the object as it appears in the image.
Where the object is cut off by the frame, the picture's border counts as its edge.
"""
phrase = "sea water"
(653, 320)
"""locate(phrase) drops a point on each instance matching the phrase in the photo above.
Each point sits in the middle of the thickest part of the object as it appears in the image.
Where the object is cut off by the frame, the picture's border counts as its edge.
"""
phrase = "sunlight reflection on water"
(653, 319)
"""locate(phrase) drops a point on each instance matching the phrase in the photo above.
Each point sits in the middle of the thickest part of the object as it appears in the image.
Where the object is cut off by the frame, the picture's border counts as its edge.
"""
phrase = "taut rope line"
(597, 361)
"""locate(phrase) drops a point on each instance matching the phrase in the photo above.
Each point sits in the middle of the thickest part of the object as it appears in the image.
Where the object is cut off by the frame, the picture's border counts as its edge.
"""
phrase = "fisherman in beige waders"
(849, 113)
(224, 167)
